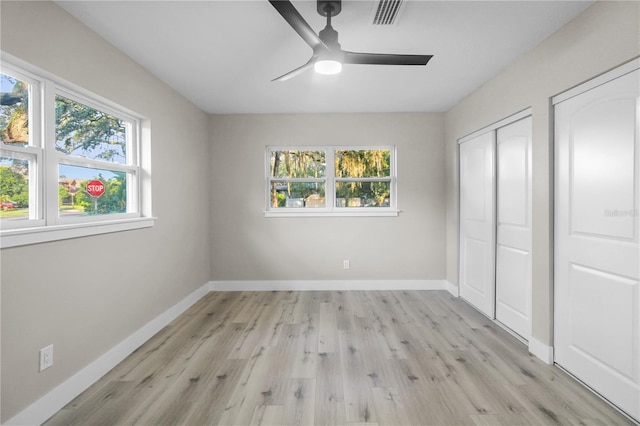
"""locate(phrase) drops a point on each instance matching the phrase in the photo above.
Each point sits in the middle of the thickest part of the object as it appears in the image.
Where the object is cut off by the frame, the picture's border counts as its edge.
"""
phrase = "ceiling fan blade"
(385, 59)
(296, 71)
(297, 22)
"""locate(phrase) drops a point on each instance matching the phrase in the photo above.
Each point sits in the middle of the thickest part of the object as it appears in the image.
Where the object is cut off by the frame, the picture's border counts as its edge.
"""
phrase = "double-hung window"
(69, 161)
(96, 161)
(331, 181)
(21, 152)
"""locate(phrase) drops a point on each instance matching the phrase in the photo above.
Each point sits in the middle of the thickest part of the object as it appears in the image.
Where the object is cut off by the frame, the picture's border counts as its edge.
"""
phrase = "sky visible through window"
(6, 84)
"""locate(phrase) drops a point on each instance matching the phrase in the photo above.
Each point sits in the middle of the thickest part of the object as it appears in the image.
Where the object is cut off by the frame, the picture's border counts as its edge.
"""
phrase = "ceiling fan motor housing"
(332, 7)
(329, 37)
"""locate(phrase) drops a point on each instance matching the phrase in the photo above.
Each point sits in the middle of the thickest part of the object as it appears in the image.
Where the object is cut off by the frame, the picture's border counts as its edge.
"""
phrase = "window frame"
(45, 223)
(330, 209)
(131, 167)
(33, 152)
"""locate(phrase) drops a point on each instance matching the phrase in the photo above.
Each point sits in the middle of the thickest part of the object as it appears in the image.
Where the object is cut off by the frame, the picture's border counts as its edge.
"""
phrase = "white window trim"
(45, 225)
(44, 234)
(331, 210)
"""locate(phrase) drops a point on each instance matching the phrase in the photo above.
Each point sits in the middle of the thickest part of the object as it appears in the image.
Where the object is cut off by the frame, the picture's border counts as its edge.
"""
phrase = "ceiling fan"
(328, 56)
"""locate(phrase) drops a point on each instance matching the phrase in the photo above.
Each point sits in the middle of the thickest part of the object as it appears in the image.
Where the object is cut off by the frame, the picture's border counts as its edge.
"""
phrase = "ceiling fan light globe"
(327, 67)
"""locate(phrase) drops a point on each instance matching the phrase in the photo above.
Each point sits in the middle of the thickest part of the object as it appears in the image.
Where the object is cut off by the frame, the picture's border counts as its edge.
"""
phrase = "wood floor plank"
(389, 407)
(249, 303)
(328, 330)
(358, 399)
(268, 415)
(300, 400)
(335, 358)
(105, 407)
(251, 391)
(344, 311)
(330, 409)
(374, 353)
(208, 405)
(304, 363)
(384, 321)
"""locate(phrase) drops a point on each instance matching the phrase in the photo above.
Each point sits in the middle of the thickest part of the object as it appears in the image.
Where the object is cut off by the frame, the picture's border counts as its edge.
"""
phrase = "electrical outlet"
(346, 264)
(46, 357)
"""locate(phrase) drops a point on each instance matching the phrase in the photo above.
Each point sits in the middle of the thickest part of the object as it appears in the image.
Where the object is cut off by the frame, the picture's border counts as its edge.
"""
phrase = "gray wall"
(248, 246)
(604, 36)
(50, 294)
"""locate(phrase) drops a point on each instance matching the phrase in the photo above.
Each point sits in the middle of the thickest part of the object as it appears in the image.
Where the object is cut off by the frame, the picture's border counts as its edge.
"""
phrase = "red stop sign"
(95, 188)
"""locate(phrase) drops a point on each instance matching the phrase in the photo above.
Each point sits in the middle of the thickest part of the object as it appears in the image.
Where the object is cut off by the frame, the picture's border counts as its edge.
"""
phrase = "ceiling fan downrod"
(328, 35)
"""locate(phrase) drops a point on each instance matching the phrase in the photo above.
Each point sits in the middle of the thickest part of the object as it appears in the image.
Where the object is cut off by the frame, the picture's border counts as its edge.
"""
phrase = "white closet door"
(477, 223)
(597, 261)
(513, 245)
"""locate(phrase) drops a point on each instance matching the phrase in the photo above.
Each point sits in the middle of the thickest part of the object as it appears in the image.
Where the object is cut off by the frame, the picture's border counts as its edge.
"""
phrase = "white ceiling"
(222, 55)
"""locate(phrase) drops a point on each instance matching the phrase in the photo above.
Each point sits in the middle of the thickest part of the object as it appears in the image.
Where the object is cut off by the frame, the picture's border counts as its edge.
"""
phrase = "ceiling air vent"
(386, 12)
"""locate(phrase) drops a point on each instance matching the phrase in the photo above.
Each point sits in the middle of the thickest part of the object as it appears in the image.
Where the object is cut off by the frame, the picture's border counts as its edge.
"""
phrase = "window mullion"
(131, 182)
(394, 179)
(134, 184)
(330, 186)
(131, 144)
(50, 164)
(293, 180)
(365, 179)
(36, 179)
(92, 164)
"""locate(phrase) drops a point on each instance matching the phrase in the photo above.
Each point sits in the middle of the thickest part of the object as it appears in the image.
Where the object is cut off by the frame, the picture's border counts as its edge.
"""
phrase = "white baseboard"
(328, 285)
(41, 410)
(541, 350)
(452, 288)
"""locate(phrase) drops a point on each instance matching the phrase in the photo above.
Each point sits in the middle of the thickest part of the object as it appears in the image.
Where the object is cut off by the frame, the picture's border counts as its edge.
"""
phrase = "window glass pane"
(14, 189)
(14, 111)
(363, 163)
(86, 132)
(74, 198)
(297, 194)
(298, 164)
(363, 194)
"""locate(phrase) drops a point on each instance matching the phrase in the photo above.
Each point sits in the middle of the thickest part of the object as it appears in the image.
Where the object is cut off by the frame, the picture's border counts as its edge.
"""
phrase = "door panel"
(597, 259)
(604, 182)
(513, 182)
(595, 295)
(513, 299)
(513, 251)
(477, 226)
(476, 252)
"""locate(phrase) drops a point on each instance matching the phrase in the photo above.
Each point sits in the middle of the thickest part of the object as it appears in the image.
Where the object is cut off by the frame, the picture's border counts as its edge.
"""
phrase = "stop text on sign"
(95, 188)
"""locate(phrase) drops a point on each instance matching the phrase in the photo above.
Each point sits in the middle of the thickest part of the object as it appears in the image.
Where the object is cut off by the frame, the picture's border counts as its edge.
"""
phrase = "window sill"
(310, 213)
(43, 234)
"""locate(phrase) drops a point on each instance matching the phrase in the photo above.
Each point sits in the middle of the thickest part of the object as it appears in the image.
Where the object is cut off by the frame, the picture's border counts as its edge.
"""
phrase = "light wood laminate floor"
(341, 358)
